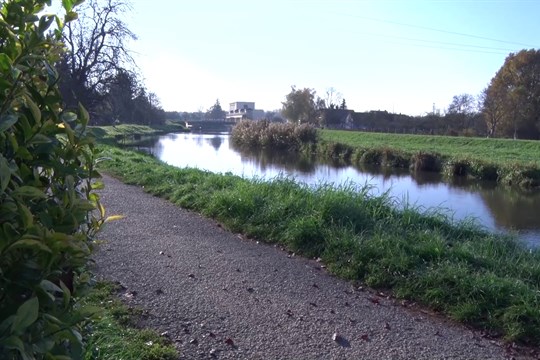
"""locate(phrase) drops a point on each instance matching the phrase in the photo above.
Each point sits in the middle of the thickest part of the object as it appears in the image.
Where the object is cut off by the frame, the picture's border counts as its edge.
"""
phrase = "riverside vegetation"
(508, 162)
(486, 280)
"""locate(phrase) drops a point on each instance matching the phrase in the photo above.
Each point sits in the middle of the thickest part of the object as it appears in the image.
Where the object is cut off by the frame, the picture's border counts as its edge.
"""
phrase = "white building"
(241, 110)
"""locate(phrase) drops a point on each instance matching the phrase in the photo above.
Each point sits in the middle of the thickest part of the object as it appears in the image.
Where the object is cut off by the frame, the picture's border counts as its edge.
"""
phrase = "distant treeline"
(383, 121)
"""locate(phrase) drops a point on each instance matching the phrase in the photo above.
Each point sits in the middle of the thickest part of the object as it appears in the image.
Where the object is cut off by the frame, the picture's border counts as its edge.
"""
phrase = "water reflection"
(215, 141)
(496, 208)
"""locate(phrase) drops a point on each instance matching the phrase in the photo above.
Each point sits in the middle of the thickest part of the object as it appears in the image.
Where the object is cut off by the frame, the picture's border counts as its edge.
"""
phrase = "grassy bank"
(132, 132)
(112, 335)
(511, 162)
(485, 280)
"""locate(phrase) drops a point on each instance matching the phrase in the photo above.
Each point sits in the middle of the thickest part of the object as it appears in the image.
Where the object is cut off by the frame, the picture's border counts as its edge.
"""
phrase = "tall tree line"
(511, 102)
(508, 107)
(98, 70)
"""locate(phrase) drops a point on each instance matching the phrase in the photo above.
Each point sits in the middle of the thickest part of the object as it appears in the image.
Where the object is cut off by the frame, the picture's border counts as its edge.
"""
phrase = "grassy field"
(499, 151)
(486, 280)
(508, 162)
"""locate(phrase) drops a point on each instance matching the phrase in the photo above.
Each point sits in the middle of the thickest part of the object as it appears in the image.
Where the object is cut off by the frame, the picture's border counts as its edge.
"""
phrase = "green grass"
(508, 162)
(486, 280)
(108, 134)
(112, 336)
(498, 151)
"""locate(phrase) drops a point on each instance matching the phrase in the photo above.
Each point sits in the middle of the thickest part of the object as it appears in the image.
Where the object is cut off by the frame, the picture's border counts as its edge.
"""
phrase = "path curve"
(218, 295)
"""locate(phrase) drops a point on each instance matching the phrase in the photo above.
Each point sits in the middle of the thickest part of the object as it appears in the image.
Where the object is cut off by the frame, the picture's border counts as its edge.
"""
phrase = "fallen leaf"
(315, 286)
(364, 337)
(191, 275)
(313, 304)
(159, 292)
(387, 326)
(229, 342)
(289, 313)
(375, 301)
(193, 341)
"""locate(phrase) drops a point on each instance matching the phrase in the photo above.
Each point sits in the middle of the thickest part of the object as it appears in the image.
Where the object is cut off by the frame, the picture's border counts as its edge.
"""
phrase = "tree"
(463, 104)
(299, 106)
(515, 92)
(461, 113)
(215, 112)
(146, 108)
(492, 110)
(332, 99)
(120, 94)
(96, 52)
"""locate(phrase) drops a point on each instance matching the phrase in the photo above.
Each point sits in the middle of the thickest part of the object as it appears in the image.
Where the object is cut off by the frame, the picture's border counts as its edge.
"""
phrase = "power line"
(437, 30)
(447, 48)
(471, 47)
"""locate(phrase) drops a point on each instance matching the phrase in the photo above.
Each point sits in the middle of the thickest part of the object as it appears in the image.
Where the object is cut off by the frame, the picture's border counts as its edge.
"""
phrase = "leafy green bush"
(46, 199)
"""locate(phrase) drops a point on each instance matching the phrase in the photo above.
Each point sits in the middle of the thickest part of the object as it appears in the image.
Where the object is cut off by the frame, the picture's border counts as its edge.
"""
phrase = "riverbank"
(131, 133)
(488, 281)
(509, 162)
(216, 294)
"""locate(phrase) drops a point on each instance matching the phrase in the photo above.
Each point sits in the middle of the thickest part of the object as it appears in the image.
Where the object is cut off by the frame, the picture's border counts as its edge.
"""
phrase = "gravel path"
(217, 295)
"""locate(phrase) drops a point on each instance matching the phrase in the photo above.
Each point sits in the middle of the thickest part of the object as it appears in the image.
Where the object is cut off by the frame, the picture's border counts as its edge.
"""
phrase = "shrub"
(457, 167)
(425, 162)
(275, 136)
(46, 199)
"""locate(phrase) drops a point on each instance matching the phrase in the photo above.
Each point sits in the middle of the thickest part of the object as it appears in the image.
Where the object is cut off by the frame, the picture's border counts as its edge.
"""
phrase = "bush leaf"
(26, 315)
(5, 173)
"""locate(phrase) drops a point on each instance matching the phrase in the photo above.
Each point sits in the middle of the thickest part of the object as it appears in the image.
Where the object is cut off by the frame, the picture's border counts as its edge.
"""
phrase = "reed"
(273, 136)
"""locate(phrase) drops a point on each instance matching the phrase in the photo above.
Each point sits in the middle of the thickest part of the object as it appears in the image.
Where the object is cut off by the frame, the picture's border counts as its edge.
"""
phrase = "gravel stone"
(256, 300)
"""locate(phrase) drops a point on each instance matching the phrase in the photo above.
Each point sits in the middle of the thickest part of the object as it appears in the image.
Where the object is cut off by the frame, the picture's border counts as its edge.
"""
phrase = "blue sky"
(400, 56)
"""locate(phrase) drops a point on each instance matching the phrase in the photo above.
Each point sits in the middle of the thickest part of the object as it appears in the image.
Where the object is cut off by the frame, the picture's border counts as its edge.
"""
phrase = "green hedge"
(46, 199)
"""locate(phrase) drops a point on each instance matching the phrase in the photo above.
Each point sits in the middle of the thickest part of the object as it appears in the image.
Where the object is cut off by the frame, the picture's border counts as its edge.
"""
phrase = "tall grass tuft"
(275, 136)
(422, 161)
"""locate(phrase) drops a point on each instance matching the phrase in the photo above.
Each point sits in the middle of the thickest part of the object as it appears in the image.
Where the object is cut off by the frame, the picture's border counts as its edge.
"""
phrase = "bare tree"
(97, 50)
(333, 98)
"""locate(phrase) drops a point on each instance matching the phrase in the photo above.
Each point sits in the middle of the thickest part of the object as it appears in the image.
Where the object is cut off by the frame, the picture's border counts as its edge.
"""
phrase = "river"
(497, 208)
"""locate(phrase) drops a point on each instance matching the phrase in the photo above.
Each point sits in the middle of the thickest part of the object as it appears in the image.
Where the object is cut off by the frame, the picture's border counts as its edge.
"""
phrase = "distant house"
(337, 119)
(242, 110)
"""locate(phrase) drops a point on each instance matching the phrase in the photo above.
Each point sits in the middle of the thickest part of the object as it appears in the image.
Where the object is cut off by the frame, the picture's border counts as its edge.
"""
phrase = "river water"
(497, 208)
